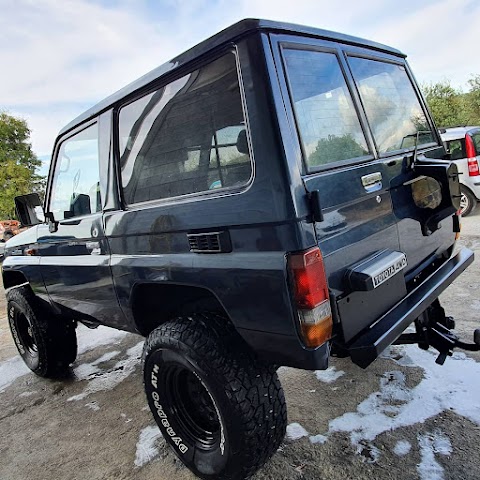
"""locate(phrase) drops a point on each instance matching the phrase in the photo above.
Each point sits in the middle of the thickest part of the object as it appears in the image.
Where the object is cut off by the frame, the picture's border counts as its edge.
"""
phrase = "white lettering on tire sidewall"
(15, 336)
(176, 439)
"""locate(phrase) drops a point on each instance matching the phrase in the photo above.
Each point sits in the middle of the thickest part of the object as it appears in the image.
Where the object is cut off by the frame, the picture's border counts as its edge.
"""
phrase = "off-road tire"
(199, 368)
(47, 344)
(468, 201)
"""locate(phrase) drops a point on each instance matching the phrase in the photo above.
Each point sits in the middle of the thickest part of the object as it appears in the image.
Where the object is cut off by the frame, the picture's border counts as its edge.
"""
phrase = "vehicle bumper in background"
(368, 345)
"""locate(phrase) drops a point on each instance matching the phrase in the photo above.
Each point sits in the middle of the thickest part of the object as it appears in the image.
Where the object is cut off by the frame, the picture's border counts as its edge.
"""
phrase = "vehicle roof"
(454, 133)
(230, 34)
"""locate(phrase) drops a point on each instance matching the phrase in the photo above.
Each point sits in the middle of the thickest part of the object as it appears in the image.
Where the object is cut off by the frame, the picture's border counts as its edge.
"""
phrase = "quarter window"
(186, 137)
(476, 141)
(326, 118)
(76, 183)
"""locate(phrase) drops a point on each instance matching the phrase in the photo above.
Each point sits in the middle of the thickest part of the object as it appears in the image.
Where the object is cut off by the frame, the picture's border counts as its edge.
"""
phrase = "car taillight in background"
(311, 296)
(473, 169)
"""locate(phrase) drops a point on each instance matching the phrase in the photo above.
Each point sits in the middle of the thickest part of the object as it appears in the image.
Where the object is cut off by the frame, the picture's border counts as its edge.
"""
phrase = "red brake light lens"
(473, 170)
(310, 282)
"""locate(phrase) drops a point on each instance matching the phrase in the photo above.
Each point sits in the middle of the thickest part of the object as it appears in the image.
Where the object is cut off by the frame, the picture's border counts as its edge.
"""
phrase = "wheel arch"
(154, 304)
(13, 278)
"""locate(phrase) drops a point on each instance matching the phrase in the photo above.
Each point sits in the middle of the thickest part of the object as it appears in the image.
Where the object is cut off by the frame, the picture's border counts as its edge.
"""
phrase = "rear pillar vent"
(209, 242)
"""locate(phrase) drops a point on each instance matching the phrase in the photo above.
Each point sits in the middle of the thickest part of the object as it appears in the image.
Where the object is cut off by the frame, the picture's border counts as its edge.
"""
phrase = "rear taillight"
(311, 296)
(473, 170)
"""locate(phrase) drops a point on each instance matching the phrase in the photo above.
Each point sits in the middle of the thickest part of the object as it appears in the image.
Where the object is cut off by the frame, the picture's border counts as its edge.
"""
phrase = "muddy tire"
(47, 344)
(221, 410)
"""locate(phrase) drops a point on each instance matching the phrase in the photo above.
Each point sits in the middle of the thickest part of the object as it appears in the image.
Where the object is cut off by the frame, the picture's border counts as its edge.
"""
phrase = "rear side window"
(187, 137)
(391, 104)
(326, 118)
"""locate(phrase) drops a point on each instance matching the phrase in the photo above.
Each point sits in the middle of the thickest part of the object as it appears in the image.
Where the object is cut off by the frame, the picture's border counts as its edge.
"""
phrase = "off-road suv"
(272, 196)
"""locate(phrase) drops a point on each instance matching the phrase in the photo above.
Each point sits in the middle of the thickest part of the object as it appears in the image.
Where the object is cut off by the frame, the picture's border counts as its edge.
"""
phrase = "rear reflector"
(311, 296)
(473, 169)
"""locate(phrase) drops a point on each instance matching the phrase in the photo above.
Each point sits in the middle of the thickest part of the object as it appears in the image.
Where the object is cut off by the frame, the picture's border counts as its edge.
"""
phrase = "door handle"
(372, 182)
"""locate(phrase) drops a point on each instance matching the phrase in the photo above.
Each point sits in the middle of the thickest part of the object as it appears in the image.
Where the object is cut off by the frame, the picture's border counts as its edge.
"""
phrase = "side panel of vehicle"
(151, 241)
(75, 255)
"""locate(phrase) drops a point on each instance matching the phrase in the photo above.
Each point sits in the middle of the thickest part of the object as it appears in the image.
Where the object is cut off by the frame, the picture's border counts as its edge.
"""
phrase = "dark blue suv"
(275, 195)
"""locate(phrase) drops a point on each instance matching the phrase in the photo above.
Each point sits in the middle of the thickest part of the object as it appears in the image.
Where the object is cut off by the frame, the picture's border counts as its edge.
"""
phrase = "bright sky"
(58, 58)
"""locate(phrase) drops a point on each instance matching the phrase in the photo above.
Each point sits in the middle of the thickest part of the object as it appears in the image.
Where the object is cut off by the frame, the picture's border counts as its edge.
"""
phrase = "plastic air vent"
(210, 242)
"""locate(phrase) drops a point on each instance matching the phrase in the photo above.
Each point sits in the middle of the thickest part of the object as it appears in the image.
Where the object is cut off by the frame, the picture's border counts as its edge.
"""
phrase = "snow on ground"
(87, 338)
(402, 448)
(86, 370)
(109, 379)
(146, 448)
(295, 431)
(431, 444)
(329, 375)
(10, 370)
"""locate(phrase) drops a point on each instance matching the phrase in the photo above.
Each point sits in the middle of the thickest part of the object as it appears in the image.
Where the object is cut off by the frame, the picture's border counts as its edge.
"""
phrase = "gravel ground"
(403, 418)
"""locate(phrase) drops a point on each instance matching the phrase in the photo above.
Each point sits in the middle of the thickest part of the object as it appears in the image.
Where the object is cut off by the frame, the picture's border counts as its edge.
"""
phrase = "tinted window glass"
(186, 137)
(392, 107)
(476, 141)
(76, 184)
(329, 127)
(456, 149)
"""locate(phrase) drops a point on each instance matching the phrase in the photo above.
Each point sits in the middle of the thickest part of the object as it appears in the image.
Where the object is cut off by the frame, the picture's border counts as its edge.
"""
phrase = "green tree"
(335, 148)
(446, 103)
(18, 163)
(472, 100)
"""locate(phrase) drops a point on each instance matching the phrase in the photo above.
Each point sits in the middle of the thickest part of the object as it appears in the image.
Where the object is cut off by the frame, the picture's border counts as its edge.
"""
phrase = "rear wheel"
(47, 344)
(221, 410)
(468, 202)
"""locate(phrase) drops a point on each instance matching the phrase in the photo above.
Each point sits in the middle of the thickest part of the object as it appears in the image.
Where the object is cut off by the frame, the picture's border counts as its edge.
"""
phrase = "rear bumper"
(370, 343)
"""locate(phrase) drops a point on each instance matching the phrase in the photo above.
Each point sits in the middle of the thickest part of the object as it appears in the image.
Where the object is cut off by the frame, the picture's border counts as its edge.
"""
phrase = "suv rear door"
(356, 112)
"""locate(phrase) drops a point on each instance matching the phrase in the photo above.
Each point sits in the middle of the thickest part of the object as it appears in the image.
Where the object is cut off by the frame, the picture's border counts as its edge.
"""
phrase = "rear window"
(326, 117)
(456, 148)
(391, 104)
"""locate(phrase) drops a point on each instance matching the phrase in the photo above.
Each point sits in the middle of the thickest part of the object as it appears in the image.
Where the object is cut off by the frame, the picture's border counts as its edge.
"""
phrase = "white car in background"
(463, 145)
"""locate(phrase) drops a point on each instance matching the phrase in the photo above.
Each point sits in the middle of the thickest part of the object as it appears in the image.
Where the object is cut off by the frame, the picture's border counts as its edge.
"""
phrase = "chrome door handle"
(372, 182)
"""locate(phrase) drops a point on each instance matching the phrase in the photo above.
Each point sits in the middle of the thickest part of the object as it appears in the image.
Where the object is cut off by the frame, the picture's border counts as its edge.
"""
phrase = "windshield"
(391, 104)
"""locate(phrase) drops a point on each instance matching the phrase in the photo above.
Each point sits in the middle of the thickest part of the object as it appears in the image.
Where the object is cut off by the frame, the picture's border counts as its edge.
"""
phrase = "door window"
(476, 142)
(187, 137)
(391, 104)
(327, 121)
(76, 183)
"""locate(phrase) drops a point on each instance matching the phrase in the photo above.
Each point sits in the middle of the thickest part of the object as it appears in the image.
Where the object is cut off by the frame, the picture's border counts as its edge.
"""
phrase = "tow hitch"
(433, 329)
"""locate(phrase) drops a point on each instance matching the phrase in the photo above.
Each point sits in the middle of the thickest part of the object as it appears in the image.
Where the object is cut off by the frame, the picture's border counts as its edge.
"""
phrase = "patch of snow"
(296, 431)
(146, 449)
(329, 375)
(28, 394)
(93, 405)
(402, 448)
(108, 380)
(124, 416)
(431, 444)
(86, 370)
(10, 370)
(88, 338)
(318, 439)
(447, 387)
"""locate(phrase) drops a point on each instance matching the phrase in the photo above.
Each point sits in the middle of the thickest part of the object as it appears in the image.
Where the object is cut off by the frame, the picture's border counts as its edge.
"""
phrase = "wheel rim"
(464, 203)
(192, 406)
(25, 334)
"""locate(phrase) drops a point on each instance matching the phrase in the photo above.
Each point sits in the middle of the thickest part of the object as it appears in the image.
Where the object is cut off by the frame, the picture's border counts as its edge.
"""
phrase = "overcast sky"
(59, 57)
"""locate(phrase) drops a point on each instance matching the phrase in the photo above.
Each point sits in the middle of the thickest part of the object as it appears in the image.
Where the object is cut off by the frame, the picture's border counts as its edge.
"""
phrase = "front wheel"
(47, 344)
(221, 410)
(468, 202)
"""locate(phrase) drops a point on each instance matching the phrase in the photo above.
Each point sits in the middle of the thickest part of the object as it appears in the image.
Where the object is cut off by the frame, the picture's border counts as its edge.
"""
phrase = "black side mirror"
(29, 209)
